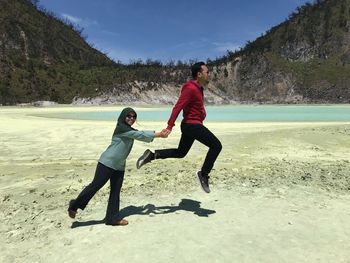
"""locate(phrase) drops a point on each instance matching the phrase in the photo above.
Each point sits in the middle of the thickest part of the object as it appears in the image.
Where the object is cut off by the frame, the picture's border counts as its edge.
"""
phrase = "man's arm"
(181, 103)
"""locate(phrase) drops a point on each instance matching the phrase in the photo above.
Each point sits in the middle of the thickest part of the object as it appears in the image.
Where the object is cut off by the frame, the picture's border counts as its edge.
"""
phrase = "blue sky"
(171, 30)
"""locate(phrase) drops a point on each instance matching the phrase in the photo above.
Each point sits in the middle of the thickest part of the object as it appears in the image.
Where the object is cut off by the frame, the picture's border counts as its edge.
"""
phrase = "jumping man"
(191, 102)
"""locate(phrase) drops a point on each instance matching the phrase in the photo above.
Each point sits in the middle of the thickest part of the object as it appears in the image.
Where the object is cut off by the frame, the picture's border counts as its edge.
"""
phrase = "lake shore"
(280, 193)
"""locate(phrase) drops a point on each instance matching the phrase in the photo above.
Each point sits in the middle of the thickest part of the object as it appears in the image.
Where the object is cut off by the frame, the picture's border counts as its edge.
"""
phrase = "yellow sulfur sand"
(280, 193)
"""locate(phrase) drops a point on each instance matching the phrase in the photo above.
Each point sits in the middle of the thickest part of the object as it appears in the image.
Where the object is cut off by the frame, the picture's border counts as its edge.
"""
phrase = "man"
(191, 102)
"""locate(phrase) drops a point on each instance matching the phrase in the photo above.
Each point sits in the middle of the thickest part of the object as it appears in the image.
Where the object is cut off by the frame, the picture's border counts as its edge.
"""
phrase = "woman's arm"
(146, 136)
(161, 134)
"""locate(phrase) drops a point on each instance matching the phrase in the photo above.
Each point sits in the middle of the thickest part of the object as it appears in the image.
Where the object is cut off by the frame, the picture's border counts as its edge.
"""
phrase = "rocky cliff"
(304, 59)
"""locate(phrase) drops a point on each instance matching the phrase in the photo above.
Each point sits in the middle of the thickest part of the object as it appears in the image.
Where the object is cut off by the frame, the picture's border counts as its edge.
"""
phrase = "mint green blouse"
(116, 153)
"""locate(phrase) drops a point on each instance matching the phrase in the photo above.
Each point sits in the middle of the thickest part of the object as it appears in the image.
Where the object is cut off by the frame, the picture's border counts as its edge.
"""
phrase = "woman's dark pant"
(191, 132)
(102, 175)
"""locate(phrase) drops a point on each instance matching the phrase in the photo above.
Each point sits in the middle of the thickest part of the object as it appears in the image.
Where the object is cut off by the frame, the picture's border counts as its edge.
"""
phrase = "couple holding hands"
(111, 165)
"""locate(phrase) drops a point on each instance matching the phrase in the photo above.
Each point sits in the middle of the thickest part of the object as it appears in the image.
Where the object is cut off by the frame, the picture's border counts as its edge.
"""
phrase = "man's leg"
(185, 144)
(205, 136)
(181, 151)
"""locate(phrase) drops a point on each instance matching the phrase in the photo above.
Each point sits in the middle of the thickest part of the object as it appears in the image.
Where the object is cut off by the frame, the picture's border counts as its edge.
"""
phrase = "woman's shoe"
(71, 212)
(122, 222)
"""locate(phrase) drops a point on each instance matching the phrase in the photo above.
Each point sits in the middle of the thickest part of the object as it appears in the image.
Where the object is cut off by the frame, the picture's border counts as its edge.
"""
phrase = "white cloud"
(88, 22)
(73, 19)
(224, 46)
(110, 33)
(117, 53)
(80, 21)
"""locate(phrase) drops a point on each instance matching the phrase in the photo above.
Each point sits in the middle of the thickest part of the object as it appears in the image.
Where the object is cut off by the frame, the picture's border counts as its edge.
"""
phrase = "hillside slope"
(304, 59)
(40, 55)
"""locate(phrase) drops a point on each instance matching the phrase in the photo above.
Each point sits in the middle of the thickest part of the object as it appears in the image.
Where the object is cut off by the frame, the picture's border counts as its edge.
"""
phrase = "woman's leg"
(116, 182)
(102, 175)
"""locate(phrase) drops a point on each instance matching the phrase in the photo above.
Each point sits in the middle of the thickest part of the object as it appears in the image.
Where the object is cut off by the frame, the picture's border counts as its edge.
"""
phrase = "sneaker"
(203, 181)
(146, 157)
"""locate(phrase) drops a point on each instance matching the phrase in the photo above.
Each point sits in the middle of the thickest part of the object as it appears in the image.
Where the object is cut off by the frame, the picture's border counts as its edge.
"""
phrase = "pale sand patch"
(280, 193)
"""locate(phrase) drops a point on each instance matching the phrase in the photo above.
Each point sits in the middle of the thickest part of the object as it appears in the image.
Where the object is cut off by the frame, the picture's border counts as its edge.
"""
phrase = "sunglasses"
(131, 116)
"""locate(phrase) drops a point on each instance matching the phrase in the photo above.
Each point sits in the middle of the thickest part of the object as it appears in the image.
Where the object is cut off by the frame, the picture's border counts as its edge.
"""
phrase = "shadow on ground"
(185, 205)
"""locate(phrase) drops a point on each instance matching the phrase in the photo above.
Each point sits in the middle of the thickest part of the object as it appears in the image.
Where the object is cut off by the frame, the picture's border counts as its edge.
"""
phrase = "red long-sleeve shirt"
(191, 102)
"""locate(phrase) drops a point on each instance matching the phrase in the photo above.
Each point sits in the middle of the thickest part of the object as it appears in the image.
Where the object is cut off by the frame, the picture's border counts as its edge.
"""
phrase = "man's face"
(203, 75)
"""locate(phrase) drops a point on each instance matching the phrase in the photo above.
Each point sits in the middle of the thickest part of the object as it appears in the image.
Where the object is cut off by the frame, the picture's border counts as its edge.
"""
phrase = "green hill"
(304, 59)
(44, 58)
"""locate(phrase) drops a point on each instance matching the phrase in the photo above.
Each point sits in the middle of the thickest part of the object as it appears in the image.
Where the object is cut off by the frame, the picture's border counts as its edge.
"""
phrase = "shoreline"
(55, 111)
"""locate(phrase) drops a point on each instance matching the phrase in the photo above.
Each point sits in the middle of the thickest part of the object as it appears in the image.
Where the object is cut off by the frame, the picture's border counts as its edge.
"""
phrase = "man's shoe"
(71, 212)
(122, 222)
(203, 181)
(146, 157)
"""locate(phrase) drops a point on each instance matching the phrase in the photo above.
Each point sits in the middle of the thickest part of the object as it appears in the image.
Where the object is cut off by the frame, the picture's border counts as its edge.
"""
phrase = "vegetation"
(312, 45)
(43, 57)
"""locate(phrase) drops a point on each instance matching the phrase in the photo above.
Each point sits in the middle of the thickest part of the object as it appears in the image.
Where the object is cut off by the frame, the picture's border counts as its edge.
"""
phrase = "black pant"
(191, 132)
(102, 175)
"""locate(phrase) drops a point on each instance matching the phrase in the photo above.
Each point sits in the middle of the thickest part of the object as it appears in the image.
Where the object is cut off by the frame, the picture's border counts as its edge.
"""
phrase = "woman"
(111, 166)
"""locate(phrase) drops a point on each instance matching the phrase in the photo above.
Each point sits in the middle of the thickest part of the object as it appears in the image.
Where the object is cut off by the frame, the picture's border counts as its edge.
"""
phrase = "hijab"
(122, 126)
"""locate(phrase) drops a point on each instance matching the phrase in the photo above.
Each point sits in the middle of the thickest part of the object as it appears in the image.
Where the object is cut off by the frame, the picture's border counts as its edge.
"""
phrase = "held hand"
(162, 134)
(166, 132)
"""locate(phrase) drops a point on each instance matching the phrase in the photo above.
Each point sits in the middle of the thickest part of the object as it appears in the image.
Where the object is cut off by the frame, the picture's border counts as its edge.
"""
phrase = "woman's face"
(130, 118)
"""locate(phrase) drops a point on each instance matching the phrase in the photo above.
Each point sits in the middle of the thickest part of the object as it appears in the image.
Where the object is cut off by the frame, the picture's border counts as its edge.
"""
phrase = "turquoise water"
(239, 113)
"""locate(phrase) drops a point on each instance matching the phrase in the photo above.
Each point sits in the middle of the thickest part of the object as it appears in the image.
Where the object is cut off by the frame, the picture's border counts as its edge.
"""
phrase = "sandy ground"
(280, 193)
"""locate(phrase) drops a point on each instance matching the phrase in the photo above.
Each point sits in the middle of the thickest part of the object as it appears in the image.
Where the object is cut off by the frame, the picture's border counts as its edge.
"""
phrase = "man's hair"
(197, 67)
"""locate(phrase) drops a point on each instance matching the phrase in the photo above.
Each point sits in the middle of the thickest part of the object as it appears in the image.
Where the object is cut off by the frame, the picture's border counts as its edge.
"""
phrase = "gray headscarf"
(122, 126)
